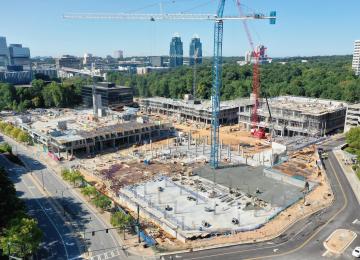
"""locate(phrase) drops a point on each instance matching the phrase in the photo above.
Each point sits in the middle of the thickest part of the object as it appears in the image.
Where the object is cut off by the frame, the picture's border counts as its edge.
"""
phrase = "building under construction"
(298, 116)
(65, 132)
(290, 115)
(194, 110)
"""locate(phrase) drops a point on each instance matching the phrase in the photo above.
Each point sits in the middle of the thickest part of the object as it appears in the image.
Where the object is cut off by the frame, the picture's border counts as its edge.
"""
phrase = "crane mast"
(218, 18)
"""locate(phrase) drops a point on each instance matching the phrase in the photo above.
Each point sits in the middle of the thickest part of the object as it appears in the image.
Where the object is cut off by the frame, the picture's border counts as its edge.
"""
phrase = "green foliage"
(321, 77)
(10, 205)
(24, 137)
(41, 94)
(101, 201)
(120, 219)
(89, 191)
(353, 138)
(22, 237)
(8, 129)
(15, 133)
(17, 230)
(73, 176)
(5, 148)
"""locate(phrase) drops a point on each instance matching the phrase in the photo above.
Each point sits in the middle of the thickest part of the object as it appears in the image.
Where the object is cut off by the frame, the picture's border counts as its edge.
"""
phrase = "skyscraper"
(195, 51)
(356, 58)
(4, 52)
(19, 55)
(176, 51)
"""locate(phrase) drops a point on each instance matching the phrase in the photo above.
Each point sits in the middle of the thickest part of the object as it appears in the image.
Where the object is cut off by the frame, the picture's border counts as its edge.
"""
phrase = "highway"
(63, 214)
(304, 240)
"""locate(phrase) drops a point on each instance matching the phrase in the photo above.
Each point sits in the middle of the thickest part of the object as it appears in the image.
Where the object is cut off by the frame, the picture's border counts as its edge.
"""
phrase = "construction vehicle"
(218, 19)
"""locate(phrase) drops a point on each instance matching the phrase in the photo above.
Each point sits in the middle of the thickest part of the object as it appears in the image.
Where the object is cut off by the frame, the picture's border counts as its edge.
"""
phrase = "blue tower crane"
(217, 65)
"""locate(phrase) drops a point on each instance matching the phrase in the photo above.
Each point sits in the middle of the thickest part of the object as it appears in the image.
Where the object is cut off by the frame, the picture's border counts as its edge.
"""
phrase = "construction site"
(199, 172)
(289, 116)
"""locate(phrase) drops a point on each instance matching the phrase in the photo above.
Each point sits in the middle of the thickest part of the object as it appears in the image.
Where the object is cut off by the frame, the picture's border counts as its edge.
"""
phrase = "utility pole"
(138, 222)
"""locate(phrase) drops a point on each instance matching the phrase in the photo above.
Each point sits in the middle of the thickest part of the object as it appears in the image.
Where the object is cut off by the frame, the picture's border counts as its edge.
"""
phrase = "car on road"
(356, 252)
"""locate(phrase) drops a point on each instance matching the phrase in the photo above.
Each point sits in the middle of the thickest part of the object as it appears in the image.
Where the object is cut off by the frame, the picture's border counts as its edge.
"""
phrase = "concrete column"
(203, 147)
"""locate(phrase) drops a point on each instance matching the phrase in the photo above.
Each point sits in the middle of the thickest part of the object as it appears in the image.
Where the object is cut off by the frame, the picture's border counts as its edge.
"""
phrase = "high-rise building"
(119, 54)
(195, 51)
(176, 51)
(19, 55)
(356, 58)
(4, 52)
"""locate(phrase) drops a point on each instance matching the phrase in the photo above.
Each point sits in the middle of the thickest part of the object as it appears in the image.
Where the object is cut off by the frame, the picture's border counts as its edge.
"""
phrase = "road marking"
(325, 253)
(355, 221)
(51, 221)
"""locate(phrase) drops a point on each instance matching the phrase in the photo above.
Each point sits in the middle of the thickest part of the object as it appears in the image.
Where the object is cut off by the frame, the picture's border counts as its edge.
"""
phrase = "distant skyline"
(304, 28)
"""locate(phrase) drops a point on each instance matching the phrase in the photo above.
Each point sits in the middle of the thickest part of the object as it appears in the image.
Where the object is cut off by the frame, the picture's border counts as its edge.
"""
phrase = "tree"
(10, 205)
(76, 177)
(121, 220)
(5, 148)
(8, 129)
(22, 238)
(15, 132)
(24, 137)
(89, 191)
(101, 201)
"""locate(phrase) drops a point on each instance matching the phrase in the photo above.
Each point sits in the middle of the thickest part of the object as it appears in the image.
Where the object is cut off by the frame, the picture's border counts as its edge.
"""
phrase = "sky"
(304, 28)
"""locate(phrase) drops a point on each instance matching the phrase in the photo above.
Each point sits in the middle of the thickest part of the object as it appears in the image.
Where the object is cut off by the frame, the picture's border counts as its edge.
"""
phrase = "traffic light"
(107, 230)
(93, 233)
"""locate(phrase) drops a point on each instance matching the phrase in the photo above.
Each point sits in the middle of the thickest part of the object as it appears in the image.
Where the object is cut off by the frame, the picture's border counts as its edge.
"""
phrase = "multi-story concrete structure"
(4, 53)
(111, 95)
(19, 55)
(176, 52)
(68, 61)
(290, 115)
(194, 110)
(157, 61)
(195, 51)
(298, 116)
(69, 132)
(356, 58)
(352, 117)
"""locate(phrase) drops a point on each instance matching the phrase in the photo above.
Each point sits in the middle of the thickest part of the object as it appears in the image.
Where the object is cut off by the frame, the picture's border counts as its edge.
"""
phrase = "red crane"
(255, 130)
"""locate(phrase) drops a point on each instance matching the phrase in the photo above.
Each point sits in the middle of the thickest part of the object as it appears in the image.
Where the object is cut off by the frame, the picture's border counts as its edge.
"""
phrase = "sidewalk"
(134, 251)
(349, 173)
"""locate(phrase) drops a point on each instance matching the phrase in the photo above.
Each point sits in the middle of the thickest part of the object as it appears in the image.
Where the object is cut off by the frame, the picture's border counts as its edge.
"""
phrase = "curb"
(345, 247)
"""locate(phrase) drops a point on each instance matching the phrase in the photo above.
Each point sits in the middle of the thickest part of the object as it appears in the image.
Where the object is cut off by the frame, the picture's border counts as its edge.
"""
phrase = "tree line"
(42, 94)
(319, 77)
(19, 233)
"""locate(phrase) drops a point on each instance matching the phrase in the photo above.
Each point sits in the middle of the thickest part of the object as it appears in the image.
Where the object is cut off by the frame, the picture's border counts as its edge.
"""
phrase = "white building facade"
(352, 117)
(356, 58)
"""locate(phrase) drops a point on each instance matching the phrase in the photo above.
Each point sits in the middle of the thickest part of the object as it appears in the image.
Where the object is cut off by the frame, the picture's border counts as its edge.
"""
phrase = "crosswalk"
(107, 255)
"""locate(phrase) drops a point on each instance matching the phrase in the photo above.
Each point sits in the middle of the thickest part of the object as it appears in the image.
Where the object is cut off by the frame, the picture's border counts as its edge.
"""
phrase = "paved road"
(78, 214)
(304, 240)
(59, 242)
